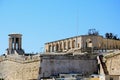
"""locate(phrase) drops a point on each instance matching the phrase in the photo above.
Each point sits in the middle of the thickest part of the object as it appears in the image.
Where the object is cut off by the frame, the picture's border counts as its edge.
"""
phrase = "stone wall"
(67, 63)
(16, 69)
(113, 63)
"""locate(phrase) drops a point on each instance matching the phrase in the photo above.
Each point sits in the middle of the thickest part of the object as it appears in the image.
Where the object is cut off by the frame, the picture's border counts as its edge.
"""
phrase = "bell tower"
(15, 44)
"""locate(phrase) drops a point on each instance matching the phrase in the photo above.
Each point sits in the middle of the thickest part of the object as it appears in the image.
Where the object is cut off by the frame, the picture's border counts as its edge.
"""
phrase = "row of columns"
(95, 43)
(61, 46)
(15, 43)
(112, 44)
(103, 44)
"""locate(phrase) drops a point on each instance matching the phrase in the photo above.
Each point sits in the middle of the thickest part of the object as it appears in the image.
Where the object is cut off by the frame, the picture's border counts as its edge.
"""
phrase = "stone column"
(52, 47)
(58, 46)
(14, 43)
(48, 47)
(70, 43)
(10, 43)
(62, 45)
(19, 43)
(66, 44)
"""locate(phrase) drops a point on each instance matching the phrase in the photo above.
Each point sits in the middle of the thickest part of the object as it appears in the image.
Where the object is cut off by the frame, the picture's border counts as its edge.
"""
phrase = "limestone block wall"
(94, 41)
(53, 65)
(12, 69)
(113, 64)
(30, 70)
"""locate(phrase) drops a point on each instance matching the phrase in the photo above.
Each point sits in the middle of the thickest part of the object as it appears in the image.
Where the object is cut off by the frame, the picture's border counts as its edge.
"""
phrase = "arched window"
(111, 78)
(57, 47)
(89, 43)
(60, 45)
(50, 48)
(116, 46)
(53, 48)
(68, 44)
(73, 44)
(78, 45)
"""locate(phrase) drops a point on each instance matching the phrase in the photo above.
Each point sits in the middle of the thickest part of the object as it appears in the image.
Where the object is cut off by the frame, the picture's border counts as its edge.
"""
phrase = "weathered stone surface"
(55, 64)
(82, 43)
(24, 69)
(113, 63)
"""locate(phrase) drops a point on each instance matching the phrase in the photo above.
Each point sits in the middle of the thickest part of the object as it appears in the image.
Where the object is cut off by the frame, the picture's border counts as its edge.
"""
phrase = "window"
(88, 43)
(73, 44)
(49, 48)
(78, 45)
(40, 70)
(60, 45)
(41, 60)
(111, 78)
(57, 47)
(68, 44)
(53, 48)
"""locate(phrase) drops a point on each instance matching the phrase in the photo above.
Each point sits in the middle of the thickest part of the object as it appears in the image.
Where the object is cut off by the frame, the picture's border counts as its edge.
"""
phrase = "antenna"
(77, 27)
(77, 22)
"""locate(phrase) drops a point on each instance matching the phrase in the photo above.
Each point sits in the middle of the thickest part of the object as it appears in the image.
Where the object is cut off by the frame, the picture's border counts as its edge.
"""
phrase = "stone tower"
(15, 44)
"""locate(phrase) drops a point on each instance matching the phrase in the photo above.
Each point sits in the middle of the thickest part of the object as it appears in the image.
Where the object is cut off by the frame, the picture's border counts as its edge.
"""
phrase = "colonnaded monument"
(15, 64)
(15, 44)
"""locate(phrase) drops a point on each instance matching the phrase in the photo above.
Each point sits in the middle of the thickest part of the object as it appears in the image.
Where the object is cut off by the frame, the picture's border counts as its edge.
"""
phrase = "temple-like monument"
(15, 64)
(15, 44)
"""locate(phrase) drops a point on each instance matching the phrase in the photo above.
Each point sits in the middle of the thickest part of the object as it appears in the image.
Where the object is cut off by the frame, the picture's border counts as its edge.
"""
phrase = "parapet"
(20, 58)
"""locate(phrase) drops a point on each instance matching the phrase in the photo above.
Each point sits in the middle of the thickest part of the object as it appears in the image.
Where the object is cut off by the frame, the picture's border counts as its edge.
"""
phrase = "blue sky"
(42, 21)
